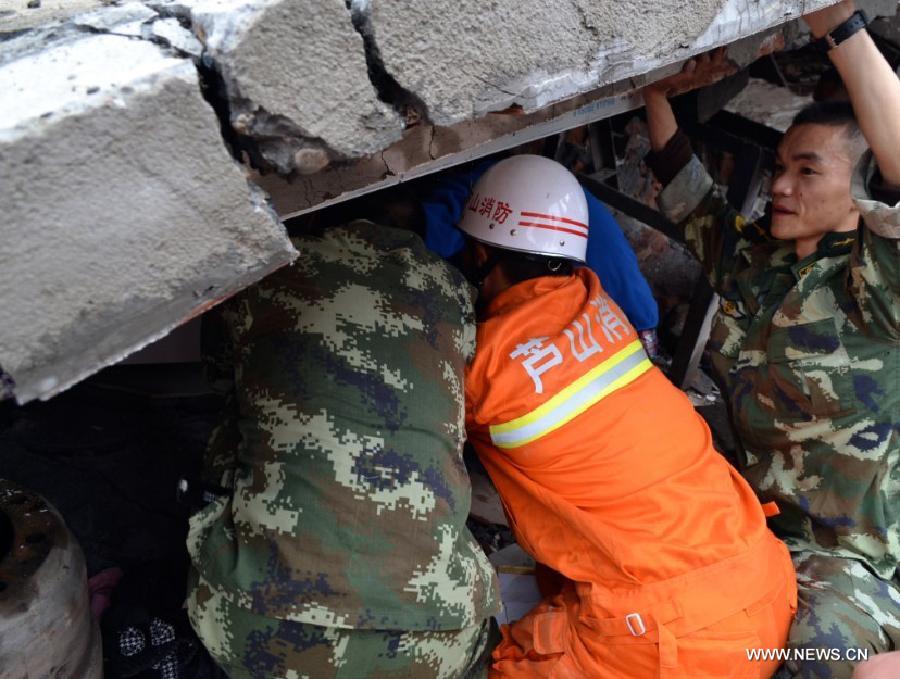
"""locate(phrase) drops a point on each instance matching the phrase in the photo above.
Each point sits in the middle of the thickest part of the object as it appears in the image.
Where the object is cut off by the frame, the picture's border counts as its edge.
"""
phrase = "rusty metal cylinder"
(46, 627)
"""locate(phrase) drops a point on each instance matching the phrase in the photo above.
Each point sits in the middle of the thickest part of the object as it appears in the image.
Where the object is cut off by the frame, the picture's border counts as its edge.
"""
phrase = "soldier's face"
(811, 190)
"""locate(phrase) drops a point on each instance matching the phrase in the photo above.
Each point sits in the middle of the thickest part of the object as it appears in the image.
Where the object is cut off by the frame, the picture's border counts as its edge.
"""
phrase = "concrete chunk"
(296, 77)
(469, 57)
(122, 212)
(17, 16)
(109, 18)
(173, 34)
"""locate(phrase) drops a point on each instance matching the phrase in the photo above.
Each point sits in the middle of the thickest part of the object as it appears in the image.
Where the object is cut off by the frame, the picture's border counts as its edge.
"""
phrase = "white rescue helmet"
(530, 204)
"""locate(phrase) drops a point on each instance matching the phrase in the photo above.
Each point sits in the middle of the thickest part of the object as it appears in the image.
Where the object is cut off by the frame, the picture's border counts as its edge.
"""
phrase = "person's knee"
(881, 666)
(837, 620)
(828, 636)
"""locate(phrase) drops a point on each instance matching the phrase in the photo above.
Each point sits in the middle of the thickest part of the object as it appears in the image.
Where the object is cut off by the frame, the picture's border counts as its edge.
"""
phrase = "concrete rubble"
(469, 82)
(530, 52)
(124, 209)
(296, 80)
(767, 104)
(123, 212)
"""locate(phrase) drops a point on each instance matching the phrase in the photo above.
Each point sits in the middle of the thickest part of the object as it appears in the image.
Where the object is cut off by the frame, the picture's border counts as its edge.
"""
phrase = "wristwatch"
(836, 36)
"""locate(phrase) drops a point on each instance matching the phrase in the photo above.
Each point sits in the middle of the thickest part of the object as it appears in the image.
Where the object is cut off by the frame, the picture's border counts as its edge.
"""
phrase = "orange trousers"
(703, 624)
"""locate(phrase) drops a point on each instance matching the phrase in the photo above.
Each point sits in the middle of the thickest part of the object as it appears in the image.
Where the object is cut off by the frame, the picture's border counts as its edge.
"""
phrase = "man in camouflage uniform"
(341, 550)
(807, 342)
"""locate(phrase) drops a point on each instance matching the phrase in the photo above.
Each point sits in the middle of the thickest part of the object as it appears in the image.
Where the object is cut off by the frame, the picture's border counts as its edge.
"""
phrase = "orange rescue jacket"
(607, 473)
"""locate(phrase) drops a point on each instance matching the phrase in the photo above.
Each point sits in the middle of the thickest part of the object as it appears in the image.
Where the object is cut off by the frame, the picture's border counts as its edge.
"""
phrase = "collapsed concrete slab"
(123, 213)
(490, 77)
(296, 80)
(464, 59)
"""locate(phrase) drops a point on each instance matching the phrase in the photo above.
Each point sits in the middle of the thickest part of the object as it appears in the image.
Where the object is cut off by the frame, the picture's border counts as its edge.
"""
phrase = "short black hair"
(523, 266)
(831, 113)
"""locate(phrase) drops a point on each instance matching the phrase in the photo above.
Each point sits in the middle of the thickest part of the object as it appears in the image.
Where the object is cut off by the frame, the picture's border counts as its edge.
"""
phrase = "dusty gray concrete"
(123, 212)
(469, 57)
(887, 27)
(296, 79)
(298, 84)
(15, 15)
(767, 104)
(427, 148)
(124, 19)
(434, 63)
(883, 8)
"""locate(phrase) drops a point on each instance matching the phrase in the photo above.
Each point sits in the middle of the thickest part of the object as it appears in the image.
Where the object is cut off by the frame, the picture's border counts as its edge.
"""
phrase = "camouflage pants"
(842, 607)
(250, 646)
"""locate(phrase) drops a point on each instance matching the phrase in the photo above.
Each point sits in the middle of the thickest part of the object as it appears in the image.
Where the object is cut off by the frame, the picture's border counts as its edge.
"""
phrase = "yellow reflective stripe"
(574, 399)
(565, 393)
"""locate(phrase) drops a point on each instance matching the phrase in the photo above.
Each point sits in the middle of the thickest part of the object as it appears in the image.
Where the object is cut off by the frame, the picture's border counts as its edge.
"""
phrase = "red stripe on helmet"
(553, 218)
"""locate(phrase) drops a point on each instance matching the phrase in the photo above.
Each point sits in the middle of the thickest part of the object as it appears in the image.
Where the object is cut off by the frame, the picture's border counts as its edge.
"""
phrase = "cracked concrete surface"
(124, 212)
(296, 79)
(469, 57)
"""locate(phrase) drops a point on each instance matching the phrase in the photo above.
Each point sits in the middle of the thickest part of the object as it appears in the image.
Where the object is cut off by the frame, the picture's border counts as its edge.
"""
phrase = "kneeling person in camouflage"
(342, 550)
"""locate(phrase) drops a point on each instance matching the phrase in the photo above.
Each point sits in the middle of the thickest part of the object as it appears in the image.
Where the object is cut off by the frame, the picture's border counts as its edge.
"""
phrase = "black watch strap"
(855, 23)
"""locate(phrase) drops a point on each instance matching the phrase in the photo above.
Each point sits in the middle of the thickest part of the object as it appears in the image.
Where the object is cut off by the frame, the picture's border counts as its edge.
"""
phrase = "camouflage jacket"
(350, 496)
(809, 352)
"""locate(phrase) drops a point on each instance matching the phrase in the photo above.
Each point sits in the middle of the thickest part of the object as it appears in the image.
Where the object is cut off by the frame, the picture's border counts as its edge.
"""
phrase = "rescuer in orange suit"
(607, 474)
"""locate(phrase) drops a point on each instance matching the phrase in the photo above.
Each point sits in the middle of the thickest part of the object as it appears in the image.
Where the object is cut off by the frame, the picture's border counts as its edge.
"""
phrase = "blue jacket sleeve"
(610, 256)
(443, 209)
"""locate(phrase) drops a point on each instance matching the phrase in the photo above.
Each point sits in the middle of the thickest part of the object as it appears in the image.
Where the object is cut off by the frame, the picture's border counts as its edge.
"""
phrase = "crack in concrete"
(196, 231)
(209, 79)
(212, 89)
(488, 82)
(431, 143)
(406, 103)
(388, 172)
(274, 133)
(269, 130)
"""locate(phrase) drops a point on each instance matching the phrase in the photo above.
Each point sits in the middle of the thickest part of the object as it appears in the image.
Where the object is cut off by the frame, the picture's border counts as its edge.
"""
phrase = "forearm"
(661, 122)
(712, 229)
(871, 84)
(875, 94)
(697, 72)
